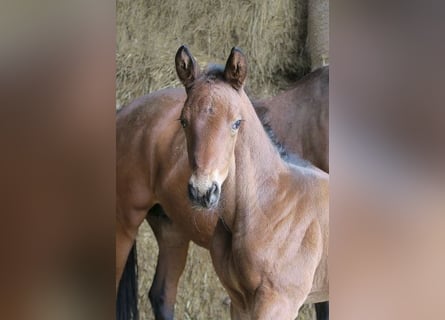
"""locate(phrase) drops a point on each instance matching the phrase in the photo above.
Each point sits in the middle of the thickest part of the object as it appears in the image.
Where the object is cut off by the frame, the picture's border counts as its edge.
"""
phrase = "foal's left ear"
(235, 71)
(186, 66)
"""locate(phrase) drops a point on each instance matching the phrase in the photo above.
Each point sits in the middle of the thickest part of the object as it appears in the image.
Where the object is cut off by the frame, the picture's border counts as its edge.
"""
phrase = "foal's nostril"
(214, 189)
(211, 191)
(212, 195)
(192, 192)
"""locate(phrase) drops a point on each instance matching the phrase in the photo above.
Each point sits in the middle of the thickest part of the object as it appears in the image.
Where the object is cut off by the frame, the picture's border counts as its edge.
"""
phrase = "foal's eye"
(183, 123)
(236, 124)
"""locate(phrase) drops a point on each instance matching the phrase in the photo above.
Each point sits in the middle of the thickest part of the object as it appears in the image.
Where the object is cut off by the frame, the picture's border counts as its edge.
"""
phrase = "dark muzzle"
(208, 199)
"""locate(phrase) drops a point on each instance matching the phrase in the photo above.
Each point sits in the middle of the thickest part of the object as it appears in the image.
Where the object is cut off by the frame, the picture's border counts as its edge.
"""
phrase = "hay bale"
(149, 32)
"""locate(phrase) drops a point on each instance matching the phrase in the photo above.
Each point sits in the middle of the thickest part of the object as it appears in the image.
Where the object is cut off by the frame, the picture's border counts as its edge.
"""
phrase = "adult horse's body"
(299, 117)
(152, 176)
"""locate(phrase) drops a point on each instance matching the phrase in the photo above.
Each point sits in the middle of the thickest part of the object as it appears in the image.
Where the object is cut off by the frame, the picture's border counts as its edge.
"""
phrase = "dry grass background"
(150, 31)
(270, 32)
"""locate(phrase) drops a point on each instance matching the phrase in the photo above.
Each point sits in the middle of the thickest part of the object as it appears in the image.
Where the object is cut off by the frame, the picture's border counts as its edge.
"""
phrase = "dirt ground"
(200, 295)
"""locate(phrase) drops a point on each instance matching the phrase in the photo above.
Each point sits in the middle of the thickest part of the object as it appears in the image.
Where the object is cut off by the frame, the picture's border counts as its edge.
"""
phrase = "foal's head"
(211, 118)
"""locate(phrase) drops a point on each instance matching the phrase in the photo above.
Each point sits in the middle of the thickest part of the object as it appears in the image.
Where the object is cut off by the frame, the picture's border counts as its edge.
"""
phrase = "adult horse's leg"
(322, 310)
(173, 247)
(127, 224)
(127, 294)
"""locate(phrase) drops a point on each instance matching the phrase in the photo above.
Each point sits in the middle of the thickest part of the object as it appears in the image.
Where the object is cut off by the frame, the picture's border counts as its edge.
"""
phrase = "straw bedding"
(271, 33)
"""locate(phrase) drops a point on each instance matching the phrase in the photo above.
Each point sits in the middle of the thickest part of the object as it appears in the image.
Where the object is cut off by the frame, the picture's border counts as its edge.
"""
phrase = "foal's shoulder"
(311, 172)
(305, 167)
(310, 177)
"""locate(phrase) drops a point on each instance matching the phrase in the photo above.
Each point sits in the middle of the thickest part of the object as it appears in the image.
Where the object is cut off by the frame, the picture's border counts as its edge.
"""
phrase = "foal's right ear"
(186, 66)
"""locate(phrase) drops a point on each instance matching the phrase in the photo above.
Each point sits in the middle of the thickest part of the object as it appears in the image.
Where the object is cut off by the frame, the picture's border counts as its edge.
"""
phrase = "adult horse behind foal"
(299, 117)
(150, 149)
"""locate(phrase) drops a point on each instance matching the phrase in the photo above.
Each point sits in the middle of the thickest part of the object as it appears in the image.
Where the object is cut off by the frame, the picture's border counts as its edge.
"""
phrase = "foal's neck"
(257, 170)
(255, 151)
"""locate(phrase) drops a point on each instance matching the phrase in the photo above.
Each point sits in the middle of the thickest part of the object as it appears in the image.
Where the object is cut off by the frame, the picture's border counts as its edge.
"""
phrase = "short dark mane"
(214, 72)
(278, 145)
(285, 155)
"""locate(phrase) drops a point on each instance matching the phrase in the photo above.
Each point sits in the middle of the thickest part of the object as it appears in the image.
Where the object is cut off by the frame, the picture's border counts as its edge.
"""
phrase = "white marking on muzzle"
(201, 184)
(204, 182)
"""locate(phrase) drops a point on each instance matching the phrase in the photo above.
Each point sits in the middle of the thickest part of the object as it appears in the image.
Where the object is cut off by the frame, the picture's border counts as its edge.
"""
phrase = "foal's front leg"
(173, 247)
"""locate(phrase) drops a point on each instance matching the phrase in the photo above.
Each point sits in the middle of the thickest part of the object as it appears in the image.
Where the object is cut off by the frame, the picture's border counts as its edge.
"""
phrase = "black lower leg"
(158, 303)
(322, 310)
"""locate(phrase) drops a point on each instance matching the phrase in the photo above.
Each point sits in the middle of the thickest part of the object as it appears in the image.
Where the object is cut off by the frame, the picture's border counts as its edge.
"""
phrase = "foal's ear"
(235, 71)
(186, 66)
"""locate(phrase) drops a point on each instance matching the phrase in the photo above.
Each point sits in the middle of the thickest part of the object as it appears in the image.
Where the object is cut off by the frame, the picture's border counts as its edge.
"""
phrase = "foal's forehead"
(218, 96)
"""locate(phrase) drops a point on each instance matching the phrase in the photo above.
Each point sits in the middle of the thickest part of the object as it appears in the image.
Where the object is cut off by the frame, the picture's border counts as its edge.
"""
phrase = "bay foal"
(270, 244)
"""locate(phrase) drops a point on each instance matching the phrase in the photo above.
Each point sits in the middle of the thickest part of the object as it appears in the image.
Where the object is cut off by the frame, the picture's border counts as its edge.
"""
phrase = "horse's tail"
(127, 295)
